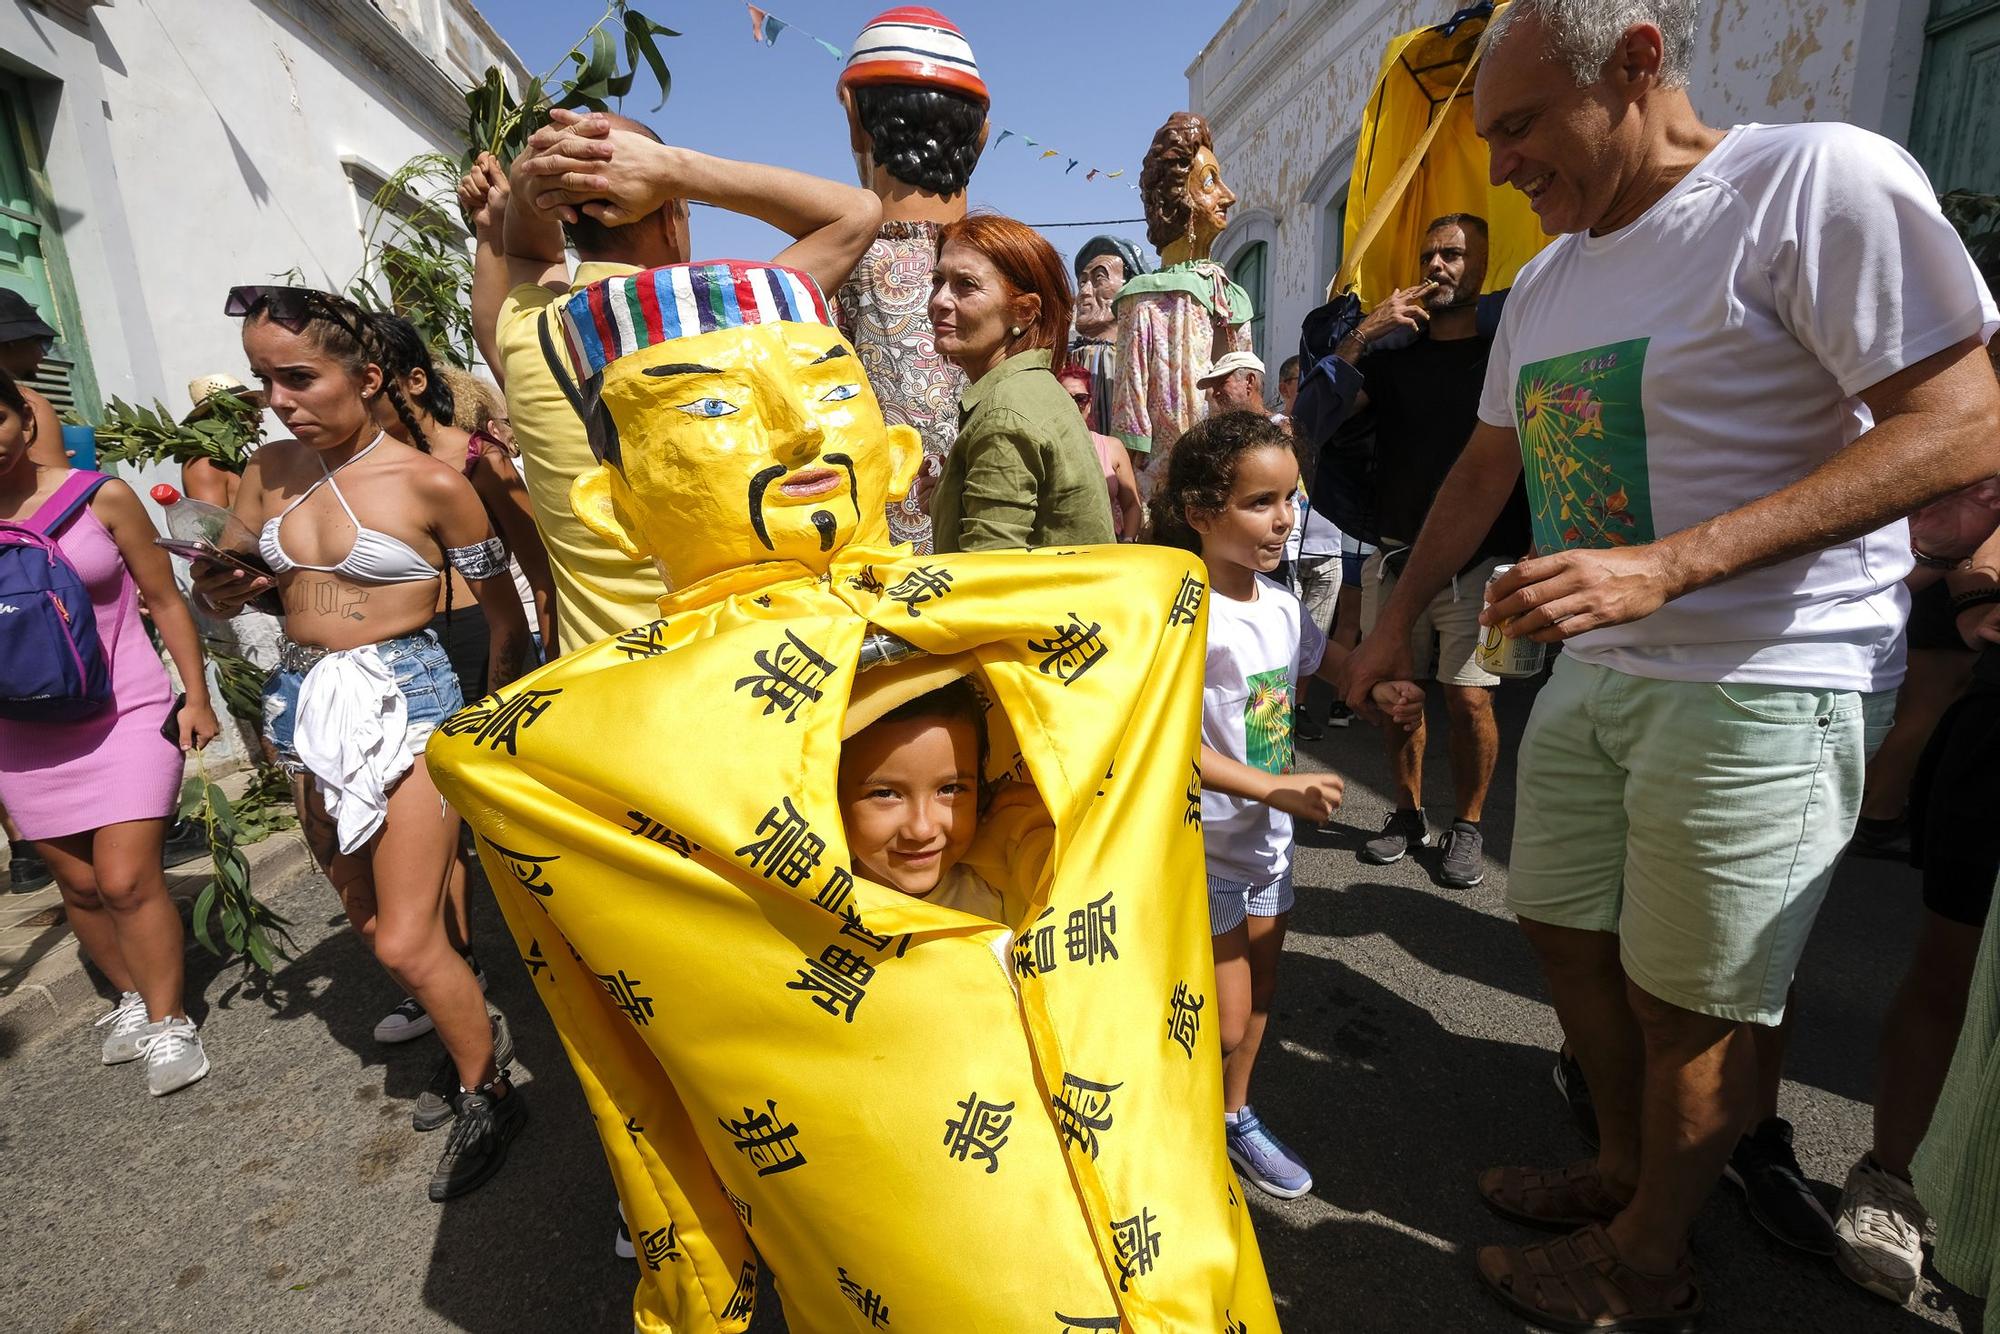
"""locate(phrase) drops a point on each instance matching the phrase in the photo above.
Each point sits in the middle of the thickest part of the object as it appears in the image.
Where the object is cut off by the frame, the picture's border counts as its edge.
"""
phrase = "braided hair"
(1201, 472)
(402, 352)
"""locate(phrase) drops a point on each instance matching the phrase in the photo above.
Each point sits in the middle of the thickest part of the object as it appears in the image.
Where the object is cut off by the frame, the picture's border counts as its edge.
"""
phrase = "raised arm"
(482, 194)
(531, 240)
(617, 176)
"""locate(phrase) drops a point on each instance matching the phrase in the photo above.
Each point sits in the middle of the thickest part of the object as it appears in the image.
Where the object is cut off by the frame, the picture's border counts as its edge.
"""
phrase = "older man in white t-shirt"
(1745, 359)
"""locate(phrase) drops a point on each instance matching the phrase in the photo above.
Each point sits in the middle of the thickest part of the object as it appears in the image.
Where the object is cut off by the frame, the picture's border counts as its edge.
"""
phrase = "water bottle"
(204, 532)
(198, 523)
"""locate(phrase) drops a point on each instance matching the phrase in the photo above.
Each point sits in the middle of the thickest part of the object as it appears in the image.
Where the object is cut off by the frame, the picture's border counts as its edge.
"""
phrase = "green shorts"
(1701, 823)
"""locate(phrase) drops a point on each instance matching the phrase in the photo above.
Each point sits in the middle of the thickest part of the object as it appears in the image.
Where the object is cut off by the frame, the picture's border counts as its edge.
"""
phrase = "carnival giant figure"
(1174, 323)
(916, 118)
(920, 1118)
(1103, 266)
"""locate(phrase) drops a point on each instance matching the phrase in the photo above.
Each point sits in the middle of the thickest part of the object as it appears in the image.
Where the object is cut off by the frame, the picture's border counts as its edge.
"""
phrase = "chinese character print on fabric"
(773, 1045)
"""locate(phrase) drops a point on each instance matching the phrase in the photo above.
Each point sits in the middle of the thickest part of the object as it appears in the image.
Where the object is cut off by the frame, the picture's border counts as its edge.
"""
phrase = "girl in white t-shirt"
(1228, 496)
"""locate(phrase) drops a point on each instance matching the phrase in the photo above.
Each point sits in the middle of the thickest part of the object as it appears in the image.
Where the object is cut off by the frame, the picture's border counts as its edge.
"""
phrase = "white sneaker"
(621, 1245)
(174, 1055)
(1878, 1239)
(121, 1044)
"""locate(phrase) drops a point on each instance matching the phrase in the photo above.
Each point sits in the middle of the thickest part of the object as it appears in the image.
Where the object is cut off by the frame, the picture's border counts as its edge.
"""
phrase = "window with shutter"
(31, 258)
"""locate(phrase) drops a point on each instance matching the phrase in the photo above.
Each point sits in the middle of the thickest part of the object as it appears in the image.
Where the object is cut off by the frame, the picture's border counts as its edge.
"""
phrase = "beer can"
(1508, 658)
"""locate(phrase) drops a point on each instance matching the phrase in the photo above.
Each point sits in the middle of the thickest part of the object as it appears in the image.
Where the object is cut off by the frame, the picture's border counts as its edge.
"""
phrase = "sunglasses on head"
(292, 307)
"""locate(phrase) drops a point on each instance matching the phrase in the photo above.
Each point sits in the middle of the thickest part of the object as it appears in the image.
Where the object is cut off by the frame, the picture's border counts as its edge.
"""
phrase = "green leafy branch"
(414, 257)
(498, 123)
(226, 437)
(246, 924)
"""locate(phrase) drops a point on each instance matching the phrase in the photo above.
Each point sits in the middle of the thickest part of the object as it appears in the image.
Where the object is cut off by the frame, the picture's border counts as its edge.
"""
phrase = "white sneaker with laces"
(174, 1055)
(1878, 1239)
(121, 1044)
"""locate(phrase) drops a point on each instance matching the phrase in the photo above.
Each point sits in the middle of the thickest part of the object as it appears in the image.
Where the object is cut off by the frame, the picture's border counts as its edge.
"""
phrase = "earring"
(1014, 331)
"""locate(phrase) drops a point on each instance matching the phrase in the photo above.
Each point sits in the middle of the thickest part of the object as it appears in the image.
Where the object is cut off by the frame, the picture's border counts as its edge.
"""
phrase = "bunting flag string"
(765, 27)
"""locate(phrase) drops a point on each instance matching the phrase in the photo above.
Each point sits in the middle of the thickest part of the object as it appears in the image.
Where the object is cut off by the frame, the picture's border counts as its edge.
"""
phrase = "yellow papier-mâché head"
(732, 423)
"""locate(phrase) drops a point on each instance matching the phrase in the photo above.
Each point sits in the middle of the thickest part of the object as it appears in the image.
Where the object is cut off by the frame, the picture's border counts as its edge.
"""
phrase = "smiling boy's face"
(909, 799)
(749, 444)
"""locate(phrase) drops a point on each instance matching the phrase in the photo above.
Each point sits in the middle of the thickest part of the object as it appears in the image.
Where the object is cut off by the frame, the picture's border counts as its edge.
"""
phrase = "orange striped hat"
(911, 44)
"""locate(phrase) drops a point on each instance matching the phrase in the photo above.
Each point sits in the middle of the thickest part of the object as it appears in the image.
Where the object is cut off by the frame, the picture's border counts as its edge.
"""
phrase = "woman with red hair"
(1022, 472)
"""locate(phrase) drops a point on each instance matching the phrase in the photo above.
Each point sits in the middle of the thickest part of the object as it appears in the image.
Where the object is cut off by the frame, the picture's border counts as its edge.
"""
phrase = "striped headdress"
(609, 319)
(911, 44)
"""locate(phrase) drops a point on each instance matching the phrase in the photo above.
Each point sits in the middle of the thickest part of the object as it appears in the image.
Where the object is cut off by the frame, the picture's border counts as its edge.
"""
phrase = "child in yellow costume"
(923, 1120)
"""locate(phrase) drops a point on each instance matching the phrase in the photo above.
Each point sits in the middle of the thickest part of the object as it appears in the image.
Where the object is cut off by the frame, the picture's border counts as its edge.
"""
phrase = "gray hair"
(1583, 34)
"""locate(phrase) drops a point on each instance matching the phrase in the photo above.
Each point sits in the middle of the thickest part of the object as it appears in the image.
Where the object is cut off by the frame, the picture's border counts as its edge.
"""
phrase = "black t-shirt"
(1426, 402)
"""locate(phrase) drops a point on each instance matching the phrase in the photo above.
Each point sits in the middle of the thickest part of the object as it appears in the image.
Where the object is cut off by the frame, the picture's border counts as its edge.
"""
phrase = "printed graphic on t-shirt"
(1583, 445)
(1267, 722)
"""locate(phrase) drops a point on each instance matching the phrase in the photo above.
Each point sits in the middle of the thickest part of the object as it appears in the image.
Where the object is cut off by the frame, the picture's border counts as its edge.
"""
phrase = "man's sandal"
(1563, 1200)
(1577, 1284)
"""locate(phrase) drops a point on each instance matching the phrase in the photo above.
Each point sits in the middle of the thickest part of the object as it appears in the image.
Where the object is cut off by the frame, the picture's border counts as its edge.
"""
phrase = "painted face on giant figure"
(735, 445)
(1187, 203)
(1098, 282)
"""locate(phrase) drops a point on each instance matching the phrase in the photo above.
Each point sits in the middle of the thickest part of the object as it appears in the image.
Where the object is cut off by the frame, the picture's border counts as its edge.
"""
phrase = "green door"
(1956, 131)
(31, 258)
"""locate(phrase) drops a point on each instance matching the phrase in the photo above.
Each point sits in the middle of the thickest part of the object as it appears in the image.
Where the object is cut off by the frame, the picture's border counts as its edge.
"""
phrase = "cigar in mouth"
(1427, 286)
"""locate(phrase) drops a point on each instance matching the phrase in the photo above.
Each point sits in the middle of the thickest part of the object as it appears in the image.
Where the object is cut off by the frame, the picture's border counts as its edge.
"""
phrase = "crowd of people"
(1682, 447)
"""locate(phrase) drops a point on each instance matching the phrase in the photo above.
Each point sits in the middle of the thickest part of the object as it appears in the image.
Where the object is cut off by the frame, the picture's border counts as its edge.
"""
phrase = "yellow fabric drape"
(1426, 73)
(924, 1121)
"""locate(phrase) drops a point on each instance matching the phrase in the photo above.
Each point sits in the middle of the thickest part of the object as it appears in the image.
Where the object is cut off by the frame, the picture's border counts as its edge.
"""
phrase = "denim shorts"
(423, 673)
(1230, 901)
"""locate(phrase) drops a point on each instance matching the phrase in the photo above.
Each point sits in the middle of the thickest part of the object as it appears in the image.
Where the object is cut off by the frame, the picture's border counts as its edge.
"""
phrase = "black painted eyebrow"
(837, 350)
(682, 368)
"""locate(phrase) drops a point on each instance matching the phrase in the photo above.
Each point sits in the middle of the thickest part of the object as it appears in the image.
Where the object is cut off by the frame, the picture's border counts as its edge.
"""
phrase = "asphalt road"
(1411, 1049)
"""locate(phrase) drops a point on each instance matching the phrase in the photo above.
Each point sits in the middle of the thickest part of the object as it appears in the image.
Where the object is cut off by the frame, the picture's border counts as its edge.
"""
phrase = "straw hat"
(205, 387)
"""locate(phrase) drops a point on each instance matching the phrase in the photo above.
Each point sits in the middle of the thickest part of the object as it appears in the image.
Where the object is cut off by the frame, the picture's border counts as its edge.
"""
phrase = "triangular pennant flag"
(1090, 175)
(757, 17)
(1050, 153)
(831, 49)
(773, 25)
(1003, 138)
(1114, 175)
(1026, 140)
(1070, 168)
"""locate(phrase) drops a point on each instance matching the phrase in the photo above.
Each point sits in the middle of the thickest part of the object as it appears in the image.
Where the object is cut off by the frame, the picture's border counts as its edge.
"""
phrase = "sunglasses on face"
(292, 307)
(1081, 400)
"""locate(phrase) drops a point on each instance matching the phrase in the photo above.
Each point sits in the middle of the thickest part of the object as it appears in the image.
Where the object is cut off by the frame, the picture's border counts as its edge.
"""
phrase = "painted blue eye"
(709, 407)
(840, 393)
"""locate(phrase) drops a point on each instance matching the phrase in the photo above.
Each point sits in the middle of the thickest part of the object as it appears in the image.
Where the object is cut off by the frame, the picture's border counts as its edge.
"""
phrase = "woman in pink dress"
(95, 795)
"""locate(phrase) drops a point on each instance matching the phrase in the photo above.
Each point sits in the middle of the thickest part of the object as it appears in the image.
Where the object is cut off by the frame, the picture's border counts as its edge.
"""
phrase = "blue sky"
(1093, 80)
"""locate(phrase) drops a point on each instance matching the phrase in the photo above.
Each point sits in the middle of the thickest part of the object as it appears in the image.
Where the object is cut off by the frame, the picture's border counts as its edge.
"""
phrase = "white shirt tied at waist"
(352, 733)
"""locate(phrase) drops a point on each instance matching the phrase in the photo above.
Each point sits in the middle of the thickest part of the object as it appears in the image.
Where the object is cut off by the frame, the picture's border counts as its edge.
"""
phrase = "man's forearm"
(1474, 492)
(526, 234)
(1945, 441)
(489, 293)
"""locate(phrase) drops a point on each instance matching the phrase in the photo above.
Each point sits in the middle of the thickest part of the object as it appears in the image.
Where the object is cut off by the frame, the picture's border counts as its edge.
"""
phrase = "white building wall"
(191, 145)
(217, 132)
(1283, 83)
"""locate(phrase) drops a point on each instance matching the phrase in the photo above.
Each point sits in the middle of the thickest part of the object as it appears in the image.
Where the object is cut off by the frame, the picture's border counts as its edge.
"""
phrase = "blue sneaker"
(1264, 1160)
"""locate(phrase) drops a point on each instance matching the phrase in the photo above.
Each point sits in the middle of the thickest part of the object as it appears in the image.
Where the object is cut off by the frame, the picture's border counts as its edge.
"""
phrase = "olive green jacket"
(1022, 472)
